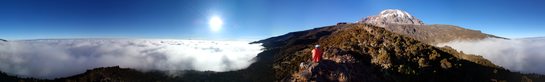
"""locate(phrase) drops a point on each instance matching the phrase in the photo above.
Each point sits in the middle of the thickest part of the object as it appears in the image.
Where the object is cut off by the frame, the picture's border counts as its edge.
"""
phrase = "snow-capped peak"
(392, 16)
(395, 12)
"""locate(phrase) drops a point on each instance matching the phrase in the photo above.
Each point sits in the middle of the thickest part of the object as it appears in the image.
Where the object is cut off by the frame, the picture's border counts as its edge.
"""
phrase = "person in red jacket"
(316, 54)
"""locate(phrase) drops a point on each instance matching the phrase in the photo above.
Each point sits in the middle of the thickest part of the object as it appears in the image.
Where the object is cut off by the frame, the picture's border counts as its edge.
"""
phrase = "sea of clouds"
(50, 59)
(525, 55)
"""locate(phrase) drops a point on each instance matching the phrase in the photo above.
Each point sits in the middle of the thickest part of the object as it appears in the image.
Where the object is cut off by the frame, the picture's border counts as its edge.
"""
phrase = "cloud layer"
(524, 55)
(60, 58)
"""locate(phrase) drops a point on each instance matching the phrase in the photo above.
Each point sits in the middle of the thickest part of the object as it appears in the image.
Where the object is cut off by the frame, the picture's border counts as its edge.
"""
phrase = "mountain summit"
(403, 23)
(392, 16)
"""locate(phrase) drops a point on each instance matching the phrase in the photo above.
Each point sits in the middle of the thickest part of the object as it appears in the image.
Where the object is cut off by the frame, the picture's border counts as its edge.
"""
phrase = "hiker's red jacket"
(316, 54)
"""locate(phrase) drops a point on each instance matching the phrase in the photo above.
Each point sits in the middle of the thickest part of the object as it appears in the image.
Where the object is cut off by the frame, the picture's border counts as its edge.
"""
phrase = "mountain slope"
(361, 52)
(437, 33)
(401, 22)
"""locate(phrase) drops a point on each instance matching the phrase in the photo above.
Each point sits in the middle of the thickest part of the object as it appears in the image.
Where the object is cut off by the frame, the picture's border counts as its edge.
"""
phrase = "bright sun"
(215, 23)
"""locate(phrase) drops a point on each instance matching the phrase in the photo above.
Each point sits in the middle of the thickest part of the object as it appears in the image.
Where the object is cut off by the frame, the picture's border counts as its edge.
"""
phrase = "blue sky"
(249, 19)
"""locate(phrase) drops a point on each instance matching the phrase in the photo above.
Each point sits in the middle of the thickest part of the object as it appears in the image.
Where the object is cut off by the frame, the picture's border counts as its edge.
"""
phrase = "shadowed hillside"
(117, 74)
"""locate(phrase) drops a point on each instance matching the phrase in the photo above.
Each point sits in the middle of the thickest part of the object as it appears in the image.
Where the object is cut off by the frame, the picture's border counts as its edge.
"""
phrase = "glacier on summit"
(392, 16)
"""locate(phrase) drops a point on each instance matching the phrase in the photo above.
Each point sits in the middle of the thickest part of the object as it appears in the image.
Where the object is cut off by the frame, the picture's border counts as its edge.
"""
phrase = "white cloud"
(60, 58)
(524, 55)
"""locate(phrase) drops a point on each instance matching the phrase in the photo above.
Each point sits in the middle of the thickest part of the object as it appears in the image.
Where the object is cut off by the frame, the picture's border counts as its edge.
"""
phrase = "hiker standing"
(316, 54)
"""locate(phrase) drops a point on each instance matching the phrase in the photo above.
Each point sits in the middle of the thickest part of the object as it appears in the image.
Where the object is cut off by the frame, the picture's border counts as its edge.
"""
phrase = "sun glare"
(215, 23)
